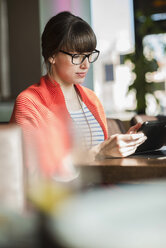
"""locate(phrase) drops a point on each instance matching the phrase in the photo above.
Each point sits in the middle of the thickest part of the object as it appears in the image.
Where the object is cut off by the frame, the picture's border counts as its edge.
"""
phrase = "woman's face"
(65, 72)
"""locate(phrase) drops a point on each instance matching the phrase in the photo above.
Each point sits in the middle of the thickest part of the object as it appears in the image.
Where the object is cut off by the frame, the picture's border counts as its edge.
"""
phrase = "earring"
(51, 60)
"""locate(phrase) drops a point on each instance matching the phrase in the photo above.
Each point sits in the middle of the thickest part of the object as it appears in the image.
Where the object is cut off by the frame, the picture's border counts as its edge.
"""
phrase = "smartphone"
(156, 135)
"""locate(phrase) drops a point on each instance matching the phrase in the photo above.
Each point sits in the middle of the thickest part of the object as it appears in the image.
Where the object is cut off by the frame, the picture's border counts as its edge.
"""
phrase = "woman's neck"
(70, 95)
(68, 91)
(71, 98)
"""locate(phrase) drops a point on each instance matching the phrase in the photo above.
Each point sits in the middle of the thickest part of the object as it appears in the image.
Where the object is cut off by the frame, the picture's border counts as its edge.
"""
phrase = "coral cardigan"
(42, 105)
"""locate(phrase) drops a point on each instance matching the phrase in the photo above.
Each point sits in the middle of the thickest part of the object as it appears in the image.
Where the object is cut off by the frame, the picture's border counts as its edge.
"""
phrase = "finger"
(134, 128)
(129, 137)
(136, 142)
(126, 151)
(125, 137)
(141, 141)
(130, 144)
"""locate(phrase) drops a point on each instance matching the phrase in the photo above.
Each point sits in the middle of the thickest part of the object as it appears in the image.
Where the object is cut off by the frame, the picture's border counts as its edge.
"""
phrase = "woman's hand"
(121, 145)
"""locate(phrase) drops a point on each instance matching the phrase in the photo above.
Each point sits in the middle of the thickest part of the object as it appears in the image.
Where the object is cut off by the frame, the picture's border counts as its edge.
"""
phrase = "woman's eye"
(76, 56)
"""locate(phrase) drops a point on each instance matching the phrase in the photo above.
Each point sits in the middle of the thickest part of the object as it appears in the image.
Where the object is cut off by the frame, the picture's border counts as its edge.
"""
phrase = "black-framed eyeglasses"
(78, 59)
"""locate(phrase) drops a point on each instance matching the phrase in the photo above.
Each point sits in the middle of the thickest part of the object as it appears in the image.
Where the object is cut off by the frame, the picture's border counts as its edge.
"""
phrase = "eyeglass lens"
(79, 58)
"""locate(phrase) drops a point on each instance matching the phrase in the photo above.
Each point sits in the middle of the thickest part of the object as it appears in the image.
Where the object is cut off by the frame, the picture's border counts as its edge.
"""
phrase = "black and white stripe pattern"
(90, 136)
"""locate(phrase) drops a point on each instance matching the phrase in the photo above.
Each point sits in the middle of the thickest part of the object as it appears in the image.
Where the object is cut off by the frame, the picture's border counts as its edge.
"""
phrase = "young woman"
(59, 103)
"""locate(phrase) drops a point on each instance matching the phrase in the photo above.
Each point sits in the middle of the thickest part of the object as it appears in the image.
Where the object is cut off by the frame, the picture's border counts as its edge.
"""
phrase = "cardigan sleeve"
(24, 113)
(46, 143)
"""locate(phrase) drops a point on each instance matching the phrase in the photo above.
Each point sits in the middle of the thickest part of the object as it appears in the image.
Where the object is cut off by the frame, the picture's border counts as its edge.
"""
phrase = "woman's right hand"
(119, 145)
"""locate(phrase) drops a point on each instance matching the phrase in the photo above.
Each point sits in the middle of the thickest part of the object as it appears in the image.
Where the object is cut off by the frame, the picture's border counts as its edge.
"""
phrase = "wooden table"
(116, 170)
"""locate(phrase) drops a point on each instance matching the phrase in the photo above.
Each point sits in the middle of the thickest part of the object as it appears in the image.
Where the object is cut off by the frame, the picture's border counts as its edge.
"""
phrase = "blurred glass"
(131, 215)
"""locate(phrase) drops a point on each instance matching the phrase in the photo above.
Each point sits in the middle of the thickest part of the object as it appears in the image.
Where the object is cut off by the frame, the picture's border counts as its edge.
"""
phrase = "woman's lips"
(81, 74)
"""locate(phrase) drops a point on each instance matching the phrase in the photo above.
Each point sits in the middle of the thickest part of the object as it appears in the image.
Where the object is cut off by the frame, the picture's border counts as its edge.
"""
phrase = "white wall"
(113, 23)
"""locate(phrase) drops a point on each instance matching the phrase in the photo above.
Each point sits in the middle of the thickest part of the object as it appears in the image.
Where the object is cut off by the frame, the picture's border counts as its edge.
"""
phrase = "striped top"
(88, 129)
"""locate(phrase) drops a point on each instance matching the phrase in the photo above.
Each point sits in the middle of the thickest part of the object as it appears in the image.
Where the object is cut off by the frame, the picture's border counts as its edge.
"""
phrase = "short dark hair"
(69, 32)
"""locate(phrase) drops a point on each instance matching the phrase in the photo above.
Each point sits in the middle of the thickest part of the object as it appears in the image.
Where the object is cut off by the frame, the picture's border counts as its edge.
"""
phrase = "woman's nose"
(85, 64)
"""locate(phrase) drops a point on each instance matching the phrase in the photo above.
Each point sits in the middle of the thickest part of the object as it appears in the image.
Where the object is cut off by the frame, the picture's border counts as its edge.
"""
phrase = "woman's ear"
(52, 60)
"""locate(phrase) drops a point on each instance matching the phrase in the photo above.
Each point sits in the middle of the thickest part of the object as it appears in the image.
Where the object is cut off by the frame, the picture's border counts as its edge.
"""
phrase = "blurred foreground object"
(48, 151)
(11, 167)
(18, 230)
(47, 194)
(30, 228)
(122, 216)
(129, 215)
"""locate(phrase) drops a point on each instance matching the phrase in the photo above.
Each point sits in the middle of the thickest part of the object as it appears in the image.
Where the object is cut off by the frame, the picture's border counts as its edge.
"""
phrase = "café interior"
(106, 203)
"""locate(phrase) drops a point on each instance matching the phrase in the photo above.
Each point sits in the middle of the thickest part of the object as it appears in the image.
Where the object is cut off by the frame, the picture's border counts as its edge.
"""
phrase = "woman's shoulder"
(27, 94)
(33, 92)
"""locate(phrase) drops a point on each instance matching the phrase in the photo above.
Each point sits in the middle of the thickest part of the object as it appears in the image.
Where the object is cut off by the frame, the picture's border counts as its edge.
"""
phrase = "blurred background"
(129, 76)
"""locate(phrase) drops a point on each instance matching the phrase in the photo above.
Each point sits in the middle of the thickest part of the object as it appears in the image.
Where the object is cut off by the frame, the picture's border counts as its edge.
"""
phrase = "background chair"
(11, 167)
(142, 118)
(115, 126)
